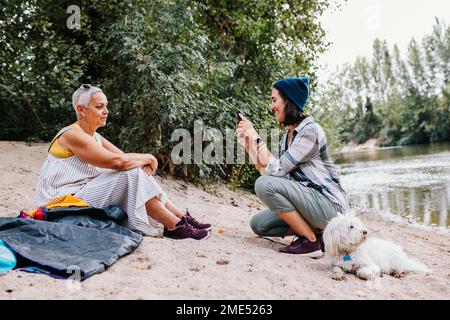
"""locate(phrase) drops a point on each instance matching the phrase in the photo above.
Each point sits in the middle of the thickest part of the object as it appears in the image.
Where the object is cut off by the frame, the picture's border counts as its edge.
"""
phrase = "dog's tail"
(413, 265)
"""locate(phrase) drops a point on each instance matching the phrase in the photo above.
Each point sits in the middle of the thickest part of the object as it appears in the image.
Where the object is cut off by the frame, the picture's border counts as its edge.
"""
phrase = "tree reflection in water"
(425, 206)
(411, 181)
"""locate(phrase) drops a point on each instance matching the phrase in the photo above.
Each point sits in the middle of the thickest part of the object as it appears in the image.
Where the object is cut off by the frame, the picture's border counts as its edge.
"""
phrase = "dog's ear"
(331, 238)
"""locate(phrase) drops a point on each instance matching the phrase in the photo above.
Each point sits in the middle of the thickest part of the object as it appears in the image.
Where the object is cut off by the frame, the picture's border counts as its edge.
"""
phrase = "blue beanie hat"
(296, 90)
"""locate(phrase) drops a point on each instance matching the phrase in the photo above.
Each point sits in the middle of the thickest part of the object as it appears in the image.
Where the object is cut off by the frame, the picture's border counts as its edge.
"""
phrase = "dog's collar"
(347, 258)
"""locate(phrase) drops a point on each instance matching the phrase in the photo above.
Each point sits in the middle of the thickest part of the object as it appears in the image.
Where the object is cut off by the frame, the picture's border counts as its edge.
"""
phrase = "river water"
(412, 182)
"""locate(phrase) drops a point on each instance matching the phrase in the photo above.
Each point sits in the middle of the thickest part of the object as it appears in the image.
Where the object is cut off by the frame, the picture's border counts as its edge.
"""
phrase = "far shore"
(369, 145)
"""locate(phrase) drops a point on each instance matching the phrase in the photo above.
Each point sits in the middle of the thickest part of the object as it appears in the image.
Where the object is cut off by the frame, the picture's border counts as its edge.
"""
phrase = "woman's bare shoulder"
(75, 135)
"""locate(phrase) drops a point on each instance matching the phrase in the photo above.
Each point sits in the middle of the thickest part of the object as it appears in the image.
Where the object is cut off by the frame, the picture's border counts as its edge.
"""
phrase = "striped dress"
(100, 187)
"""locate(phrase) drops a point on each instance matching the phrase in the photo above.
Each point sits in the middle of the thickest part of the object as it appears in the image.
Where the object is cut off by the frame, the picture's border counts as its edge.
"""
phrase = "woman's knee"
(267, 223)
(262, 222)
(133, 173)
(257, 225)
(263, 186)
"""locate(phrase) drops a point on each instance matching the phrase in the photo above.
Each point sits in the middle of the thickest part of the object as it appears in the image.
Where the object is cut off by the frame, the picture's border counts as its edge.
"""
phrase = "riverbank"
(235, 264)
(369, 145)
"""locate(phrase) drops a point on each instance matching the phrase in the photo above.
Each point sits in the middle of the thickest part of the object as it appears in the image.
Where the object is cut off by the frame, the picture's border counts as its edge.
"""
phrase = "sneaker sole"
(207, 229)
(315, 254)
(204, 238)
(207, 236)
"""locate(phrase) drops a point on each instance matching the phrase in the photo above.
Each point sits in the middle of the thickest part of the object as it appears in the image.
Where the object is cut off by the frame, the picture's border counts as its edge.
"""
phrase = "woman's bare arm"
(84, 147)
(149, 169)
(109, 146)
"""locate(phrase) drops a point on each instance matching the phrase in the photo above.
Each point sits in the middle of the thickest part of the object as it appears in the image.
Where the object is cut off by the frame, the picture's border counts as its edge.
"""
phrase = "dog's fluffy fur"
(346, 236)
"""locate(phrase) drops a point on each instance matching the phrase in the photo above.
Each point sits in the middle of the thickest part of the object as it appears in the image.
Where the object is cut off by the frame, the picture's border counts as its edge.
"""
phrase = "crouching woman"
(300, 188)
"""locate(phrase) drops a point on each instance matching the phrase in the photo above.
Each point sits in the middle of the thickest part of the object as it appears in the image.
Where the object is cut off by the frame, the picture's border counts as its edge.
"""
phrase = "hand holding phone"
(246, 128)
(239, 113)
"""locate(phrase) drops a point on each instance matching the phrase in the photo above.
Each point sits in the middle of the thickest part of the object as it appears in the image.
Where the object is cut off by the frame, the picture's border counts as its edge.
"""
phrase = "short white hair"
(83, 95)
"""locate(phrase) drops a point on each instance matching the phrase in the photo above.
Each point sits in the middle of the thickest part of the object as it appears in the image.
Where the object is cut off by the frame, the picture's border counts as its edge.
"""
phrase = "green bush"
(163, 64)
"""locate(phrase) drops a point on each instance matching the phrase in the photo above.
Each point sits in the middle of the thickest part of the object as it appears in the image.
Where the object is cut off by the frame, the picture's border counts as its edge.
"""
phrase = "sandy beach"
(235, 264)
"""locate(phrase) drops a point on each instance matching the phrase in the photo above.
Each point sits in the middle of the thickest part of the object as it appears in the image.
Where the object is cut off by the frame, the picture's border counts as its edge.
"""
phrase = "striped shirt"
(308, 160)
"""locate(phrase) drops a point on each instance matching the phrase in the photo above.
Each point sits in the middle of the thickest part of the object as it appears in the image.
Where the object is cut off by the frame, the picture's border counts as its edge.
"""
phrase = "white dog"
(347, 249)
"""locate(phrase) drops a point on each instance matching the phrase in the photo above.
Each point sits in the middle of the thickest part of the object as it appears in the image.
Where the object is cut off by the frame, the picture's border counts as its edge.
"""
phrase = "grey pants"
(281, 195)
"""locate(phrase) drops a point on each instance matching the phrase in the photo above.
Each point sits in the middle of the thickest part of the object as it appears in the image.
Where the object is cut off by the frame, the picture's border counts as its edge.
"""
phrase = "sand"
(234, 265)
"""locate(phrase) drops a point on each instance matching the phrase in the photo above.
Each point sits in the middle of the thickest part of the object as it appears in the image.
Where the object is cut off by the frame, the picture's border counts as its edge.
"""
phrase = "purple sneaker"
(191, 220)
(303, 247)
(183, 230)
(319, 237)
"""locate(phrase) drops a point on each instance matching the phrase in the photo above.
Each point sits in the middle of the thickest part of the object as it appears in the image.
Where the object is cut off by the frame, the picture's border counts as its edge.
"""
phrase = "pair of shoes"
(191, 220)
(303, 247)
(184, 230)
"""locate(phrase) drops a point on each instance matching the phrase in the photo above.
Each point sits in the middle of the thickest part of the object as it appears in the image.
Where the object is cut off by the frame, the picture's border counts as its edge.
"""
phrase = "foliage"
(398, 100)
(162, 63)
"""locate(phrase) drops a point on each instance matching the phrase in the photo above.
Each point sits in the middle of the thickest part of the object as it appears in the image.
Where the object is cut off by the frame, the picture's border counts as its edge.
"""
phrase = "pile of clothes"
(70, 239)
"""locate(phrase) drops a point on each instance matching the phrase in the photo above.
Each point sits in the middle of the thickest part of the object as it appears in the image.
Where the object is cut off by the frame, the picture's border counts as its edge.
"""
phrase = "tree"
(163, 64)
(406, 100)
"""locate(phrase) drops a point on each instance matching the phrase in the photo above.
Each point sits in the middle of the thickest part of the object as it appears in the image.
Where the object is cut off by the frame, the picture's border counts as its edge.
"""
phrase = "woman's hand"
(148, 169)
(246, 133)
(151, 167)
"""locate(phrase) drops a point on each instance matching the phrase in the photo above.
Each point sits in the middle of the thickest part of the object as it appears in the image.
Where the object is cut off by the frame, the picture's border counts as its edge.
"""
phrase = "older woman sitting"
(82, 163)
